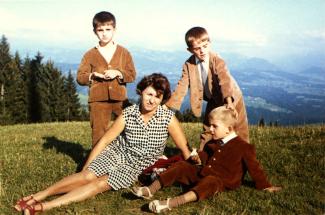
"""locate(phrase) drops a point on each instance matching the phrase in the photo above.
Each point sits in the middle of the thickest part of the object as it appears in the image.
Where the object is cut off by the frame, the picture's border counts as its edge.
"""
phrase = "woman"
(134, 142)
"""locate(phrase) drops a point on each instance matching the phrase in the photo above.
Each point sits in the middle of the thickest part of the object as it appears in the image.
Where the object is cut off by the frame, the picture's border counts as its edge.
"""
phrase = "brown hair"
(196, 33)
(225, 115)
(159, 82)
(103, 17)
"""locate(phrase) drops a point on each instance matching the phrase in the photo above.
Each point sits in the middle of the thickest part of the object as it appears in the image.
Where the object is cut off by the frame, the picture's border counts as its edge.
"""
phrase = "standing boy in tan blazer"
(208, 78)
(106, 68)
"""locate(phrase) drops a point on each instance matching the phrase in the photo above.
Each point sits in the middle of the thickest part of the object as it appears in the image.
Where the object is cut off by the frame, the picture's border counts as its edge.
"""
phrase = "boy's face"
(105, 33)
(200, 49)
(218, 129)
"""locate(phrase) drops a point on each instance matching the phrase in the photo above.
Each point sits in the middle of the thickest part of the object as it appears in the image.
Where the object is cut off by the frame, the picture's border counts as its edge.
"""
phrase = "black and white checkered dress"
(137, 148)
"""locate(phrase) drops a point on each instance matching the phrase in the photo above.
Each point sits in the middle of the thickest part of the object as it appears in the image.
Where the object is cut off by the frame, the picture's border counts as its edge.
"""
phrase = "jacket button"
(214, 159)
(209, 166)
(219, 150)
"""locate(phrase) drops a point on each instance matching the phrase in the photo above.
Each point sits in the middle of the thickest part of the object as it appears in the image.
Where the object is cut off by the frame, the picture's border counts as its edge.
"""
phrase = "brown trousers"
(241, 127)
(188, 174)
(100, 117)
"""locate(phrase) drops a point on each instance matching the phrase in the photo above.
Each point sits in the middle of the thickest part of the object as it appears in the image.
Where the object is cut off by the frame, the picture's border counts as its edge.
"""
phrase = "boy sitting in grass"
(219, 167)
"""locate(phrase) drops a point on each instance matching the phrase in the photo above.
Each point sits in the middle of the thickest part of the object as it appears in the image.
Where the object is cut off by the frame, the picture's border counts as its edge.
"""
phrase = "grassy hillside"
(36, 155)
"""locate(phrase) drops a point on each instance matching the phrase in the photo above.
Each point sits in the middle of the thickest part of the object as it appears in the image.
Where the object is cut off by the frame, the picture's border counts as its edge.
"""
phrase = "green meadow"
(34, 156)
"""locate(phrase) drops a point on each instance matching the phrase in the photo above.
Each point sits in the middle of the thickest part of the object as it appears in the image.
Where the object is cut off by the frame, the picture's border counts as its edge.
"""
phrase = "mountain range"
(295, 96)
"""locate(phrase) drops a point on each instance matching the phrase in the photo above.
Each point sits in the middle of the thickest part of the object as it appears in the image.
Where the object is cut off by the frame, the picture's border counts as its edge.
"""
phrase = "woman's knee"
(88, 175)
(102, 183)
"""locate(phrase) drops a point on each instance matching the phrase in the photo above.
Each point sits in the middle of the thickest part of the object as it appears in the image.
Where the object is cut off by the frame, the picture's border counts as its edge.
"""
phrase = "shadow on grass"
(130, 196)
(76, 151)
(171, 151)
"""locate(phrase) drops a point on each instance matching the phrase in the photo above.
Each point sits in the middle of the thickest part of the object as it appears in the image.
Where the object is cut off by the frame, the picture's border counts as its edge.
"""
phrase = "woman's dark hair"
(159, 82)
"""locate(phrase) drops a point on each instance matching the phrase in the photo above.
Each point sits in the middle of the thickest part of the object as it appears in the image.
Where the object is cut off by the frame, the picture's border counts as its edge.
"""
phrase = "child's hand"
(112, 73)
(273, 189)
(230, 105)
(98, 75)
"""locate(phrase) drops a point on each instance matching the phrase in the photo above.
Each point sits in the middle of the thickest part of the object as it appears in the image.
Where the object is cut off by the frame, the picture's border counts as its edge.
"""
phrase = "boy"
(221, 166)
(208, 78)
(106, 68)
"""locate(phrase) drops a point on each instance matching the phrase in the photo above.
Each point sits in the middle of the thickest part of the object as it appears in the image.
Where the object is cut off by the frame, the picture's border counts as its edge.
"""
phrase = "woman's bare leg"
(63, 186)
(78, 194)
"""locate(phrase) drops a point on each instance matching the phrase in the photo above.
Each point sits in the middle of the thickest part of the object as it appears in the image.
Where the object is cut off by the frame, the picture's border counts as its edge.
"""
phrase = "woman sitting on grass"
(134, 142)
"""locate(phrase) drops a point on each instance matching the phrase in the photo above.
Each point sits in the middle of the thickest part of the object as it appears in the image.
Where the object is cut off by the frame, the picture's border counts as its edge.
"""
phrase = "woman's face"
(150, 100)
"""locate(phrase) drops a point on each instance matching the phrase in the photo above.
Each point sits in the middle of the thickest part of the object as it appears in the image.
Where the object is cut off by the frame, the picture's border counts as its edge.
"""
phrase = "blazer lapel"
(195, 74)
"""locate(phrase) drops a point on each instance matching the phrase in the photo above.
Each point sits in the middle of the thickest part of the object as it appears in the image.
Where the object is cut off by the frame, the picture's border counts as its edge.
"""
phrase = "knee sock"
(154, 187)
(176, 201)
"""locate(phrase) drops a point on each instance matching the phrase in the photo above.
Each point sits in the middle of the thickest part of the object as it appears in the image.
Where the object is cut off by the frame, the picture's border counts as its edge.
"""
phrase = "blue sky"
(269, 29)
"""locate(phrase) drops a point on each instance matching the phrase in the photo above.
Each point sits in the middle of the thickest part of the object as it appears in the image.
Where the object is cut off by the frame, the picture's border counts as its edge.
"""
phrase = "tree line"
(32, 91)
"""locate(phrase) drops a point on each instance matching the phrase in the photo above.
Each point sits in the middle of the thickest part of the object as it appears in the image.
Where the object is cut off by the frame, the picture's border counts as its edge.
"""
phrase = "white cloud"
(315, 34)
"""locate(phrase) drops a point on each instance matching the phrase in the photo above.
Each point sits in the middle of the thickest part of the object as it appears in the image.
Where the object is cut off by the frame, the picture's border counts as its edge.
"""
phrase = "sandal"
(31, 209)
(23, 203)
(156, 207)
(138, 191)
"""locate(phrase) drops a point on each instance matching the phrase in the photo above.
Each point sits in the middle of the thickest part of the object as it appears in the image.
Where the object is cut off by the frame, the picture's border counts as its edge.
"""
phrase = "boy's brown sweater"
(101, 90)
(229, 161)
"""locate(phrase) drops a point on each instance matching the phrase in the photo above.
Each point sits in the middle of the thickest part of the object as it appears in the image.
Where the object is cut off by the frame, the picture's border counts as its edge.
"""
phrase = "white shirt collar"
(206, 61)
(97, 46)
(229, 137)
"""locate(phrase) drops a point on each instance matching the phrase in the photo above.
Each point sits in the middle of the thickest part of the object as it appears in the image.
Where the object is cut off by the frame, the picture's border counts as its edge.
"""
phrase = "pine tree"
(56, 103)
(34, 97)
(73, 104)
(17, 99)
(26, 72)
(5, 60)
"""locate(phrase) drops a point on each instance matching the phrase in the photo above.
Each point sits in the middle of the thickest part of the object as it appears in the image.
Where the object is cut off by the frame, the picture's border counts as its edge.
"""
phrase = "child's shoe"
(156, 206)
(142, 192)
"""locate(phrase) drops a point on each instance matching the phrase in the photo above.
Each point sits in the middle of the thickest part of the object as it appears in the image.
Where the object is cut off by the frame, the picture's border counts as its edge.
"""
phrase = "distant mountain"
(288, 97)
(314, 72)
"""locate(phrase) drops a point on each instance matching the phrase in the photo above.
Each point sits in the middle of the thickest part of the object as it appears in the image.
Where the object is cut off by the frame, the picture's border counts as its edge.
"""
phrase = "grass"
(36, 155)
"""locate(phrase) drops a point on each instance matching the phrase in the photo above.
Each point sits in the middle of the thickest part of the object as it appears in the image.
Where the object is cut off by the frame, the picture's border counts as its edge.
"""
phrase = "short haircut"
(196, 33)
(103, 17)
(225, 115)
(159, 82)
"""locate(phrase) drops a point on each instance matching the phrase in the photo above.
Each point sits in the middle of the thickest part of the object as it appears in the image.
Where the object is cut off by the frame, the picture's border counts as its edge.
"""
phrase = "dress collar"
(159, 112)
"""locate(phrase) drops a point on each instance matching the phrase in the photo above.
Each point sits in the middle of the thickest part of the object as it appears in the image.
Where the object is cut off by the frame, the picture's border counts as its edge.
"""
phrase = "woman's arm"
(109, 136)
(176, 132)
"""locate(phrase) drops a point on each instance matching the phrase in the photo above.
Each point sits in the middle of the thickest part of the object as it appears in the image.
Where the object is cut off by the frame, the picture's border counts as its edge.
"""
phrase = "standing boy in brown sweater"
(208, 78)
(221, 166)
(106, 68)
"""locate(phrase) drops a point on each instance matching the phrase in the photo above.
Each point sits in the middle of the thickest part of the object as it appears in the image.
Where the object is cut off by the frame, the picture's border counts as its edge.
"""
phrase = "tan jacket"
(114, 89)
(220, 83)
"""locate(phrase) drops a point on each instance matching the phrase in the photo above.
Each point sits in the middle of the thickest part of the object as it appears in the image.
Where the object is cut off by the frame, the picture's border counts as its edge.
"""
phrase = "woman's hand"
(196, 159)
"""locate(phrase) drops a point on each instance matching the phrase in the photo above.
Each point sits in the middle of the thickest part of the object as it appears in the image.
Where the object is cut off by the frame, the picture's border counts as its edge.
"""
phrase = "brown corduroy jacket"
(220, 83)
(100, 90)
(229, 162)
